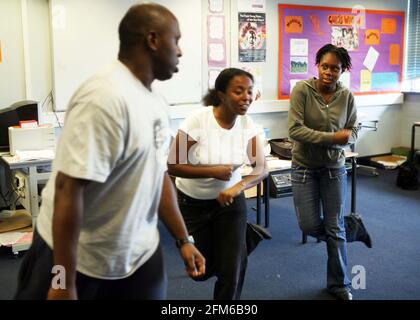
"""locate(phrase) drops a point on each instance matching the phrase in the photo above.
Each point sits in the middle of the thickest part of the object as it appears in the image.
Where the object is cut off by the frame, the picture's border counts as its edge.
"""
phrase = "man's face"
(168, 53)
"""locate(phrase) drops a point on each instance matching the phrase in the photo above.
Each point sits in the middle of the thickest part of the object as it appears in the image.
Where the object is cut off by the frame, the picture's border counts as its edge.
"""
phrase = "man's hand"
(342, 137)
(195, 264)
(223, 173)
(62, 294)
(227, 196)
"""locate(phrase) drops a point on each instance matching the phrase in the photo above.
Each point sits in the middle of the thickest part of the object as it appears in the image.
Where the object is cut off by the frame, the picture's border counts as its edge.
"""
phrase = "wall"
(387, 109)
(410, 113)
(16, 87)
(24, 35)
(12, 74)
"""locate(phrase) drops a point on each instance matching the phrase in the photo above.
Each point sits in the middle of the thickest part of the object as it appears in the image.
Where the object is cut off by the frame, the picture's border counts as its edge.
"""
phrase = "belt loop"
(304, 175)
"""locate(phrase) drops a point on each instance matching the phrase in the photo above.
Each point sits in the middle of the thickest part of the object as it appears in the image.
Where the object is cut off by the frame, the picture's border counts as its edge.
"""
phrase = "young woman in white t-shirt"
(210, 147)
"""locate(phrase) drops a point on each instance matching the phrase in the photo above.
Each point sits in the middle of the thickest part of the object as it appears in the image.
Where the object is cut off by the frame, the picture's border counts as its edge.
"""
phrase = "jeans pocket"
(337, 173)
(298, 175)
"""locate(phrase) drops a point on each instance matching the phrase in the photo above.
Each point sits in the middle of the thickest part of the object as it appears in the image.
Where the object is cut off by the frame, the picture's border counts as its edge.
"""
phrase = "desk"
(29, 169)
(266, 197)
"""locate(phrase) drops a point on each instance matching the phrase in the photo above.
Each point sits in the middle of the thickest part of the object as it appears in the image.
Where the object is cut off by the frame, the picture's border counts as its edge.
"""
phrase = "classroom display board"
(374, 39)
(85, 37)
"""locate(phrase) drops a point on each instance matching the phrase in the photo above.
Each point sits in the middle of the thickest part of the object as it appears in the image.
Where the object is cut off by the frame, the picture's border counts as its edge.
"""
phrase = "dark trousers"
(147, 283)
(219, 234)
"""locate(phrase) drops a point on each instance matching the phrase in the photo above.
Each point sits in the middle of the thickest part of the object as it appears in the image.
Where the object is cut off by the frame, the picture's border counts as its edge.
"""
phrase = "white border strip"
(271, 106)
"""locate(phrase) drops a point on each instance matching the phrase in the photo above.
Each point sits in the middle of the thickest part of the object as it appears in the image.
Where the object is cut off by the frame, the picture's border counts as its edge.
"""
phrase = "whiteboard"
(85, 37)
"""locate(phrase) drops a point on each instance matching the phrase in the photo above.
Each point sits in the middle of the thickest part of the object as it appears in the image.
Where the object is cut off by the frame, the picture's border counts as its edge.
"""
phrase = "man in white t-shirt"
(96, 236)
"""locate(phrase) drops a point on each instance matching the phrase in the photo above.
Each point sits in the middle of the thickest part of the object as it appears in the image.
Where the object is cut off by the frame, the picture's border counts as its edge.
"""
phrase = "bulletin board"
(373, 38)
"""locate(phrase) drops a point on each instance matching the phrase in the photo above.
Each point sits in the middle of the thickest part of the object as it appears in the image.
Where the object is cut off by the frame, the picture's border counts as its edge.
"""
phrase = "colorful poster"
(346, 37)
(252, 37)
(394, 54)
(372, 37)
(388, 26)
(293, 24)
(298, 65)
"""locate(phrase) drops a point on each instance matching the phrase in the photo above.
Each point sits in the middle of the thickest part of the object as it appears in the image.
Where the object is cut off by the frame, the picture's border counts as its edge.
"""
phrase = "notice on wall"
(251, 5)
(216, 41)
(252, 37)
(1, 59)
(216, 6)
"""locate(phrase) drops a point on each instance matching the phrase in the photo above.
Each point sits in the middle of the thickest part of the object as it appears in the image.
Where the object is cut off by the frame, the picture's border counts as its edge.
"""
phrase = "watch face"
(181, 242)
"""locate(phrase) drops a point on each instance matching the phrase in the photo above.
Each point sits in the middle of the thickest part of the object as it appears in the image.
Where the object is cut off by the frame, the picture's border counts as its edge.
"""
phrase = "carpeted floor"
(283, 268)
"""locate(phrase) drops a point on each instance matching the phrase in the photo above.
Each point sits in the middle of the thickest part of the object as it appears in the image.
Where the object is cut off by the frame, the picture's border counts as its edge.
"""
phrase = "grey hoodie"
(312, 125)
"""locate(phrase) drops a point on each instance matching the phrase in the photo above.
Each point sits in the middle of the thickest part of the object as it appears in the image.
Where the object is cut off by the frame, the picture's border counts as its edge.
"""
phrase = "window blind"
(412, 72)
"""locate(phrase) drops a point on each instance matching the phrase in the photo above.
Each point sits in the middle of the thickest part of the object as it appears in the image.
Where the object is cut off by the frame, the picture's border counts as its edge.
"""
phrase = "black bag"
(282, 147)
(356, 230)
(254, 234)
(407, 176)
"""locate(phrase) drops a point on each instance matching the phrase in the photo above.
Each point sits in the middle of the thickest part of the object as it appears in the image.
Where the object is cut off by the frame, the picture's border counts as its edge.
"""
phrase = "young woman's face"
(329, 69)
(238, 96)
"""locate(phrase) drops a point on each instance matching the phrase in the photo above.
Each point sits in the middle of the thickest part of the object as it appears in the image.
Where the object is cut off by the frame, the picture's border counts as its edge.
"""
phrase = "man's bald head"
(139, 21)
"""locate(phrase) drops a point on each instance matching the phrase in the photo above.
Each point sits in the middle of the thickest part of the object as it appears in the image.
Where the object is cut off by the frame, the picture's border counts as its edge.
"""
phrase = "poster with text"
(252, 37)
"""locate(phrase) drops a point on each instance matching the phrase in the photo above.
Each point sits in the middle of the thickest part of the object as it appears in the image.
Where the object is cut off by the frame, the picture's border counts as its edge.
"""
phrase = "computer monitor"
(10, 116)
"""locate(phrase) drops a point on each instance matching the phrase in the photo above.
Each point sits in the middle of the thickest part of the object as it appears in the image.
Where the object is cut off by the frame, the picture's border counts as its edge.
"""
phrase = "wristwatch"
(181, 242)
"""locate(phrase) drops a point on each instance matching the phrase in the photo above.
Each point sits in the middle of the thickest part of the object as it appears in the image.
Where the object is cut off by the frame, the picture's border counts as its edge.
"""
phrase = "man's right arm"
(67, 217)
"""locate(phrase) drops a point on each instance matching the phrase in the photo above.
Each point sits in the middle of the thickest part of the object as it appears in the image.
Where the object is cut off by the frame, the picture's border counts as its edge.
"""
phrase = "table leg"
(259, 203)
(266, 183)
(353, 184)
(33, 193)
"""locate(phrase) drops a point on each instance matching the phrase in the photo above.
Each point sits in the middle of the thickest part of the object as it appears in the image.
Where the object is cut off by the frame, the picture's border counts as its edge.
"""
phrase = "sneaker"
(341, 294)
(344, 295)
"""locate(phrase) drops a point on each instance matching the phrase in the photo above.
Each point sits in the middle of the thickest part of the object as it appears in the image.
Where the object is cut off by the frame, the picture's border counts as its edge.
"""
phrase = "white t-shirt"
(215, 146)
(116, 135)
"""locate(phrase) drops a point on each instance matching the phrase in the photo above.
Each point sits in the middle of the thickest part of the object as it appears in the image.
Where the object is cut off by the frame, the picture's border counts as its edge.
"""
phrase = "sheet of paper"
(9, 238)
(216, 27)
(365, 81)
(345, 79)
(298, 47)
(216, 6)
(394, 54)
(34, 155)
(216, 52)
(251, 6)
(279, 164)
(371, 58)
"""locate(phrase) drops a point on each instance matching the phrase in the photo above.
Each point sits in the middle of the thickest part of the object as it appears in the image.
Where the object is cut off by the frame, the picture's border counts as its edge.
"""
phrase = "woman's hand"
(227, 196)
(223, 173)
(342, 137)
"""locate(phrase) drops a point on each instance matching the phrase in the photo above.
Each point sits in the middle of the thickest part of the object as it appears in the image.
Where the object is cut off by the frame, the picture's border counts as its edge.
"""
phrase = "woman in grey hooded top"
(322, 120)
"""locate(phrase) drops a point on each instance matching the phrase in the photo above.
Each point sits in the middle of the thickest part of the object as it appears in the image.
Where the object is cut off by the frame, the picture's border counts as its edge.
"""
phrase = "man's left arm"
(171, 216)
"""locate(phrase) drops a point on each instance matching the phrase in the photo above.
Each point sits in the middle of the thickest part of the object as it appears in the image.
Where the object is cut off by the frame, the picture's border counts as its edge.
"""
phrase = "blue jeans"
(326, 186)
